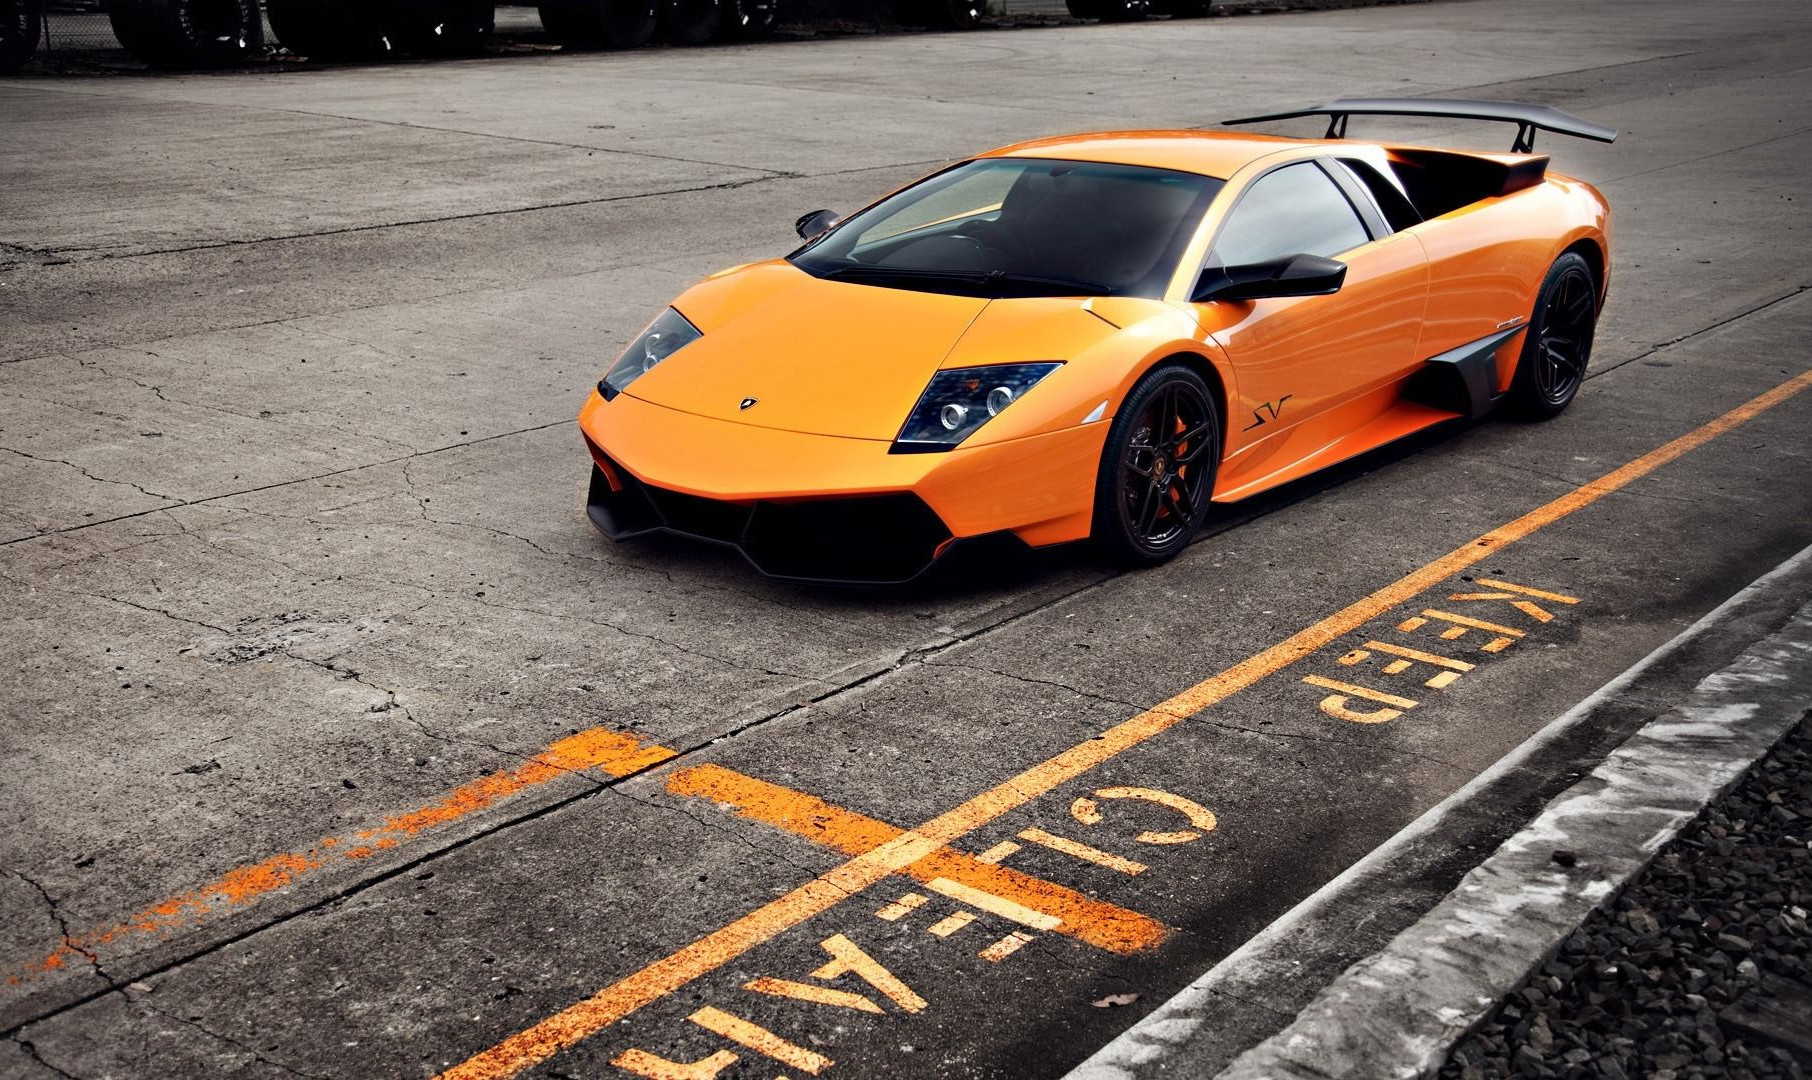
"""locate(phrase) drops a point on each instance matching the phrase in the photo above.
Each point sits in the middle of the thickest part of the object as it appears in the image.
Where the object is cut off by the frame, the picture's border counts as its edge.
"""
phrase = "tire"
(1109, 10)
(1181, 9)
(21, 28)
(608, 24)
(442, 27)
(694, 22)
(1558, 346)
(751, 20)
(189, 33)
(957, 14)
(127, 19)
(1139, 521)
(332, 29)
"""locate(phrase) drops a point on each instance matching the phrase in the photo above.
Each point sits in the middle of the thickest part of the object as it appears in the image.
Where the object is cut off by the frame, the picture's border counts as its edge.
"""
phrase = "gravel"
(1665, 981)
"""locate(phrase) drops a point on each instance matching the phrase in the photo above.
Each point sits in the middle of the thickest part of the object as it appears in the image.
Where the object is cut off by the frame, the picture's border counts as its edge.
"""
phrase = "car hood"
(834, 358)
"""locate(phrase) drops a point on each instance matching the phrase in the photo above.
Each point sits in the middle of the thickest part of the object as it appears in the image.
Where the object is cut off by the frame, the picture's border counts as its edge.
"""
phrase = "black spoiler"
(1527, 118)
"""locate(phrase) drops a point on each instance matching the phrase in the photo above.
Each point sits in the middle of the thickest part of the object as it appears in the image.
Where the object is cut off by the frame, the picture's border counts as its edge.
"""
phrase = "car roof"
(1210, 153)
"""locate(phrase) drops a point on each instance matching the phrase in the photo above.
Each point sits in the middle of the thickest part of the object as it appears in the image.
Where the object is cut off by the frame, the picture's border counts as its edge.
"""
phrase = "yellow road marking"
(1088, 812)
(1418, 654)
(1083, 851)
(818, 995)
(1367, 693)
(1558, 598)
(642, 1063)
(1030, 900)
(994, 905)
(998, 853)
(760, 1040)
(710, 952)
(1005, 947)
(901, 907)
(847, 958)
(951, 923)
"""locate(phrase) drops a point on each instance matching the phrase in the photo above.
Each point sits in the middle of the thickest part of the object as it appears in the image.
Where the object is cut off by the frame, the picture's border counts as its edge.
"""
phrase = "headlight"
(666, 335)
(962, 399)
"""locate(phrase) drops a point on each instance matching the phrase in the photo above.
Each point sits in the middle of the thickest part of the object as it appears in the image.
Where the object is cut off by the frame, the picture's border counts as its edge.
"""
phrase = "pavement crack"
(1764, 305)
(256, 1054)
(1086, 694)
(99, 253)
(69, 938)
(739, 835)
(90, 475)
(31, 1051)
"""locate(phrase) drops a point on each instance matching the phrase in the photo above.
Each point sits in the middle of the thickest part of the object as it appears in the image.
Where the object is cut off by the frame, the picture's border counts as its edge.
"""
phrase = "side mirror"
(816, 224)
(1292, 275)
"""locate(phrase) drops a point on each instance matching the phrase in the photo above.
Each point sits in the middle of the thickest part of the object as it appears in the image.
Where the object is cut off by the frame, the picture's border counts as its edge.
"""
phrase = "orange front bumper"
(1040, 488)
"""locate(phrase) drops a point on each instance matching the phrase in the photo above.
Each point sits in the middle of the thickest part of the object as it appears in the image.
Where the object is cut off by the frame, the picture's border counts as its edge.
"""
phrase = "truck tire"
(939, 14)
(21, 27)
(443, 27)
(605, 24)
(1109, 10)
(189, 33)
(751, 20)
(694, 22)
(331, 29)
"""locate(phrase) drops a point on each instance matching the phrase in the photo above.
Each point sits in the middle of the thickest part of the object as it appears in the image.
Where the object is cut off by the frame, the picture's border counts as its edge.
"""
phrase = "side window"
(1296, 210)
(1391, 200)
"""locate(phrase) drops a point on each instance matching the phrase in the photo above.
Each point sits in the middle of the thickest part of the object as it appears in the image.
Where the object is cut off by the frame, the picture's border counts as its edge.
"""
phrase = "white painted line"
(1151, 1046)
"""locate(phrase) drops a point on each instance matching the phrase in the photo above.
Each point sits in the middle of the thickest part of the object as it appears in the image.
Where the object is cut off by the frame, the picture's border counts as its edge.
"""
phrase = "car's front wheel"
(1559, 342)
(1157, 470)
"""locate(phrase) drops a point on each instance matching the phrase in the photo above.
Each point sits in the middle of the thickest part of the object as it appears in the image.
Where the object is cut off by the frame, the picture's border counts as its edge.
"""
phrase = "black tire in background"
(606, 24)
(442, 27)
(694, 22)
(939, 14)
(1109, 10)
(127, 19)
(189, 33)
(20, 30)
(332, 29)
(751, 20)
(1558, 346)
(1180, 9)
(1157, 470)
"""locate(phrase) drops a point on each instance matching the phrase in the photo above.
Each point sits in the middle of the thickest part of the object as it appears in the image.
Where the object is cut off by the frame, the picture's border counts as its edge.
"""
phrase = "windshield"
(1021, 227)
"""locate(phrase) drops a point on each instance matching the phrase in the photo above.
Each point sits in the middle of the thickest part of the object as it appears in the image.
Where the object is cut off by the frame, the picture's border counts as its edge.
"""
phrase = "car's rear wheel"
(1157, 470)
(1559, 342)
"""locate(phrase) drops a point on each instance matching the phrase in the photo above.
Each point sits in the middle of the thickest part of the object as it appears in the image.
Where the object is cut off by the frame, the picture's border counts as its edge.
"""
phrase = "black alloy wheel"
(1158, 467)
(1559, 342)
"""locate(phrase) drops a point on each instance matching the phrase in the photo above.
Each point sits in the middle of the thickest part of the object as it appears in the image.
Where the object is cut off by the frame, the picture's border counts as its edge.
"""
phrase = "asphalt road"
(336, 743)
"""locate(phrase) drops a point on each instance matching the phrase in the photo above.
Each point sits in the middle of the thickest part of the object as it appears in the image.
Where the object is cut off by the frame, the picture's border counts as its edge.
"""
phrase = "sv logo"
(1267, 412)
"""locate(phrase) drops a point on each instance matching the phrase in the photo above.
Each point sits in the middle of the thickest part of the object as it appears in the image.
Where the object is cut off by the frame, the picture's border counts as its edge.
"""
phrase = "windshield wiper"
(1066, 285)
(993, 281)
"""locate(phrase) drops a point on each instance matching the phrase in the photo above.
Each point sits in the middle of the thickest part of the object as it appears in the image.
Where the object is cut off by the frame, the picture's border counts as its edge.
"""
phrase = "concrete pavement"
(296, 569)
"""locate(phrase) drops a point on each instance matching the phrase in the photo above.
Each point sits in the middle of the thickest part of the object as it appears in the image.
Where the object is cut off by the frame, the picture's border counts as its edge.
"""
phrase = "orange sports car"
(1096, 336)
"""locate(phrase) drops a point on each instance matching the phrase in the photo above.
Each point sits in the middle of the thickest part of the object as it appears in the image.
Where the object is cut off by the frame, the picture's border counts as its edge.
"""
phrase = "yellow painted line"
(993, 905)
(760, 1040)
(1077, 849)
(1559, 598)
(951, 923)
(900, 908)
(818, 995)
(1012, 894)
(662, 977)
(613, 752)
(1418, 654)
(1005, 947)
(1359, 691)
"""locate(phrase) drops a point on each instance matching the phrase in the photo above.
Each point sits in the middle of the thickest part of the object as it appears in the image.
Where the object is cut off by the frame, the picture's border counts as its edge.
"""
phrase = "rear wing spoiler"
(1527, 118)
